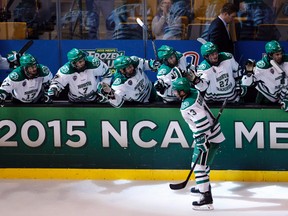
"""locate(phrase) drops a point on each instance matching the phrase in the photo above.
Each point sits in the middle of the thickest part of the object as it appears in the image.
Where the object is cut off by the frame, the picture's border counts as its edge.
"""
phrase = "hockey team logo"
(107, 55)
(192, 57)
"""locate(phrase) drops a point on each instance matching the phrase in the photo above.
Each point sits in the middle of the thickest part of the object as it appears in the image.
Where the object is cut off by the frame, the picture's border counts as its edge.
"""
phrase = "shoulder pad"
(118, 81)
(17, 75)
(204, 65)
(224, 56)
(163, 70)
(135, 61)
(263, 63)
(67, 69)
(43, 70)
(92, 62)
(189, 101)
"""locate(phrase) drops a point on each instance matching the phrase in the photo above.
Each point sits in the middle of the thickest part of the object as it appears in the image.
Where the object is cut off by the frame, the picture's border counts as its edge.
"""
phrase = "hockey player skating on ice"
(28, 83)
(271, 81)
(219, 75)
(165, 74)
(206, 142)
(130, 82)
(82, 73)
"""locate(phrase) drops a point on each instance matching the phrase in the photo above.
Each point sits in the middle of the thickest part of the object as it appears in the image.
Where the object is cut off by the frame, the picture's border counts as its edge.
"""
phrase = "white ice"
(137, 198)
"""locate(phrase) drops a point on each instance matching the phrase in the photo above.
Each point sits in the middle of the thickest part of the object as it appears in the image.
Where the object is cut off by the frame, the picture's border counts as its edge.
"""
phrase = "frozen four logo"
(107, 55)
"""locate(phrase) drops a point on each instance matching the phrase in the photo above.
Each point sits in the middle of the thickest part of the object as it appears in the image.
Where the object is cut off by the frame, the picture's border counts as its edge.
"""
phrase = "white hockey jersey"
(199, 117)
(269, 81)
(82, 84)
(137, 88)
(167, 75)
(219, 82)
(24, 89)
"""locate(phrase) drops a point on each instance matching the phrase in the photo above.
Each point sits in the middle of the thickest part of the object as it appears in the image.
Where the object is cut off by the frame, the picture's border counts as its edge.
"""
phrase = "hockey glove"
(284, 105)
(249, 67)
(202, 143)
(14, 59)
(53, 91)
(105, 90)
(160, 86)
(154, 64)
(190, 74)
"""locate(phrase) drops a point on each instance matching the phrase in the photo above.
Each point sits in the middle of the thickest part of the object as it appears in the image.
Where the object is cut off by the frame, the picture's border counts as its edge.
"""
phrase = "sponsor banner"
(136, 138)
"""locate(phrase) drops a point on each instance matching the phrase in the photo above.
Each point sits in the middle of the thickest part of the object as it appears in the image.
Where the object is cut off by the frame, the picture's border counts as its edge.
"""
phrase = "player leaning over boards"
(170, 58)
(220, 75)
(270, 81)
(82, 73)
(28, 83)
(130, 82)
(206, 142)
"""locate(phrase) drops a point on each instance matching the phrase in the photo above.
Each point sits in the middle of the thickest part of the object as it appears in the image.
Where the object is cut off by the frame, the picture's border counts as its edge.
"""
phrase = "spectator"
(271, 83)
(159, 22)
(28, 83)
(218, 32)
(82, 74)
(207, 138)
(219, 75)
(131, 84)
(255, 13)
(94, 8)
(169, 58)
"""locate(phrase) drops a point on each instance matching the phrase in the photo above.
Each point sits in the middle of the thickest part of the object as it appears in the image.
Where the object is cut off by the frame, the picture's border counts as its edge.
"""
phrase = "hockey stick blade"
(140, 22)
(182, 185)
(201, 40)
(25, 47)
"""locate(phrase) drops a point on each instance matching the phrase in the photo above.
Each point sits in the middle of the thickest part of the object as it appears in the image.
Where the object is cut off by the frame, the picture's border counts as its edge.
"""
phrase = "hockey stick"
(25, 47)
(182, 185)
(280, 70)
(140, 22)
(201, 40)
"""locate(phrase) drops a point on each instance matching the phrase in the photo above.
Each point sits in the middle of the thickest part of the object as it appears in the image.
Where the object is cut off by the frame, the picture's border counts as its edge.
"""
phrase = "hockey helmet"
(273, 47)
(27, 60)
(208, 48)
(122, 62)
(164, 52)
(75, 55)
(181, 84)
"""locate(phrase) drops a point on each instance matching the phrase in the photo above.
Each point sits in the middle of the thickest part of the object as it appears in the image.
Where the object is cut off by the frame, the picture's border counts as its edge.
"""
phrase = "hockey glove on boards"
(14, 59)
(201, 143)
(105, 90)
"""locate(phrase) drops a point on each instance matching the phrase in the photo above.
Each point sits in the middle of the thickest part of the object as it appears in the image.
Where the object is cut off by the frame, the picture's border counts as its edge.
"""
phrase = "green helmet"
(122, 62)
(181, 84)
(164, 52)
(75, 55)
(273, 47)
(27, 60)
(208, 48)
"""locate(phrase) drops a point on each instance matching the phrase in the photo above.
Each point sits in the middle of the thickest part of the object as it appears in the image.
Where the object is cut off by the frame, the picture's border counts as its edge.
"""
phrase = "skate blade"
(207, 207)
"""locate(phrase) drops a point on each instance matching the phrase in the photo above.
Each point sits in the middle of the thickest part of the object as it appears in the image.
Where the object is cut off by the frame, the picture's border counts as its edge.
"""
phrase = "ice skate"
(205, 202)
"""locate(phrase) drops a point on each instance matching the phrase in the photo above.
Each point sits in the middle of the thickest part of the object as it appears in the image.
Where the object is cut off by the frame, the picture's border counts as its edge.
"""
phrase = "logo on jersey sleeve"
(14, 76)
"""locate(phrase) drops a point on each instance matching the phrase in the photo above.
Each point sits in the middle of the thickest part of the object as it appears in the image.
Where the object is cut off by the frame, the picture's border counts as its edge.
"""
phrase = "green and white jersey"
(167, 74)
(269, 81)
(137, 88)
(82, 84)
(219, 82)
(199, 117)
(24, 89)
